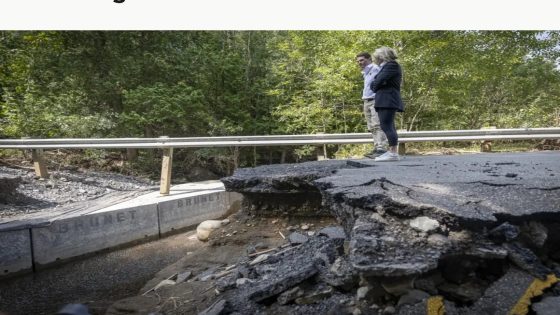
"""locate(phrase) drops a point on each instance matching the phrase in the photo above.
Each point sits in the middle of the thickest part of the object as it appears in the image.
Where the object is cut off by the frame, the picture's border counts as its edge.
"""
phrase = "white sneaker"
(387, 156)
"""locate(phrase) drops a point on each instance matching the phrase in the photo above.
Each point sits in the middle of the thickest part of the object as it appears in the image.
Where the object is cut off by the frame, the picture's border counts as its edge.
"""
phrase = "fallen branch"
(168, 278)
(264, 251)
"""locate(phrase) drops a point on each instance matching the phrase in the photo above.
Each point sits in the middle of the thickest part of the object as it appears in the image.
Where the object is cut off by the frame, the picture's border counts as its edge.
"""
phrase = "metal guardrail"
(167, 144)
(278, 140)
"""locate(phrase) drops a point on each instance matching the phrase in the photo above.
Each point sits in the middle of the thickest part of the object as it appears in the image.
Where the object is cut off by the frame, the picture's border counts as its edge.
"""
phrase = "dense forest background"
(216, 83)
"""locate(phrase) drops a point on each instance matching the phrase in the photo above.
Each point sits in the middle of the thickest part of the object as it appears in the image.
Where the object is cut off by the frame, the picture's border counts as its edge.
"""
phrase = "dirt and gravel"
(192, 284)
(32, 195)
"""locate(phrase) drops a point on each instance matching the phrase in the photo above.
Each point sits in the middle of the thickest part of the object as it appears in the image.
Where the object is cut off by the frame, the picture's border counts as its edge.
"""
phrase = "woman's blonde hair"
(385, 54)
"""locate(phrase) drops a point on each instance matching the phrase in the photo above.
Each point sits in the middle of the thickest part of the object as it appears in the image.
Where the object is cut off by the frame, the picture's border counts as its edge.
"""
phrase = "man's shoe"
(388, 156)
(375, 153)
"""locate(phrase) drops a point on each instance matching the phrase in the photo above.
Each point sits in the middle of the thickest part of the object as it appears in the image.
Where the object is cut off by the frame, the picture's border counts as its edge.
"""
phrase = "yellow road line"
(535, 289)
(435, 306)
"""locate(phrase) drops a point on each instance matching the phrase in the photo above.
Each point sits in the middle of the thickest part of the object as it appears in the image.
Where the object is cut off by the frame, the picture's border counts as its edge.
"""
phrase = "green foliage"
(210, 83)
(163, 110)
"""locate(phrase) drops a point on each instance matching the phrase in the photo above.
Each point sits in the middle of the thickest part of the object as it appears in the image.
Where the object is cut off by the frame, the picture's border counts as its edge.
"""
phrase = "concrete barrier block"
(191, 203)
(189, 210)
(15, 252)
(102, 229)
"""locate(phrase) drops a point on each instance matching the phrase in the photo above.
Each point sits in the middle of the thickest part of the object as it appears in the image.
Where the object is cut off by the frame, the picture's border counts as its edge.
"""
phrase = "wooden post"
(39, 163)
(322, 150)
(486, 145)
(283, 156)
(401, 148)
(166, 165)
(131, 154)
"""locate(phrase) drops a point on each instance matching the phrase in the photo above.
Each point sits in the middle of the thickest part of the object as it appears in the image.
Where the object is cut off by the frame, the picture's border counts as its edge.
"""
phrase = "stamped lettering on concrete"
(76, 236)
(187, 211)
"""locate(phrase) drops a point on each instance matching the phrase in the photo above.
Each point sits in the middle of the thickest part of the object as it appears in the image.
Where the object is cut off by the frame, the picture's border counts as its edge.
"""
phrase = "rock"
(89, 180)
(341, 274)
(548, 306)
(487, 251)
(164, 283)
(183, 276)
(242, 281)
(296, 238)
(413, 297)
(389, 310)
(398, 285)
(261, 246)
(504, 232)
(438, 240)
(424, 224)
(377, 217)
(285, 277)
(204, 229)
(305, 227)
(225, 221)
(206, 275)
(289, 295)
(333, 232)
(315, 296)
(227, 282)
(259, 259)
(361, 293)
(215, 309)
(535, 233)
(466, 292)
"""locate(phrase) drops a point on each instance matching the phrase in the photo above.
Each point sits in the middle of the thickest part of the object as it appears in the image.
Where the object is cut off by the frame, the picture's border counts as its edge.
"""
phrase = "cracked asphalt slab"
(472, 188)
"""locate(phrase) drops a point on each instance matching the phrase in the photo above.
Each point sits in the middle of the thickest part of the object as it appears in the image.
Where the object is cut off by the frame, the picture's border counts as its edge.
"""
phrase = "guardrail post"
(322, 150)
(39, 163)
(166, 164)
(486, 145)
(283, 156)
(401, 149)
(131, 154)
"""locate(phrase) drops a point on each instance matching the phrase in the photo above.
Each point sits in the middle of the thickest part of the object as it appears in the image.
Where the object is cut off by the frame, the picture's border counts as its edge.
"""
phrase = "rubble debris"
(409, 242)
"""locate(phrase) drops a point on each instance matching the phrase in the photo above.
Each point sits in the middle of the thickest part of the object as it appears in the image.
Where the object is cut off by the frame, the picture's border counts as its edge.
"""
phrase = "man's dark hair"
(364, 54)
